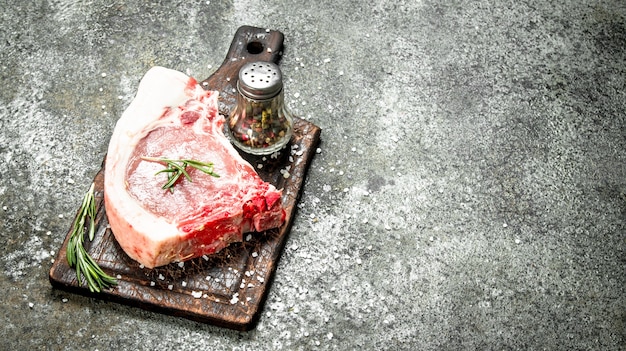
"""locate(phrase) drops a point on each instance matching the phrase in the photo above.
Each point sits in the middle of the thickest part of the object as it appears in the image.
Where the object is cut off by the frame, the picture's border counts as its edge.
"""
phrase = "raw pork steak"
(173, 117)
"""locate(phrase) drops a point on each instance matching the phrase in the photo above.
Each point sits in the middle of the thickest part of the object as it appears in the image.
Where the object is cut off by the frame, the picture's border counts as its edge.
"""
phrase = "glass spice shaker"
(261, 123)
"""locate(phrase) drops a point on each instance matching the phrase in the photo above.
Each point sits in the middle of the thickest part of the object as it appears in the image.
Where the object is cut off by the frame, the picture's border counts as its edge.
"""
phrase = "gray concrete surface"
(470, 192)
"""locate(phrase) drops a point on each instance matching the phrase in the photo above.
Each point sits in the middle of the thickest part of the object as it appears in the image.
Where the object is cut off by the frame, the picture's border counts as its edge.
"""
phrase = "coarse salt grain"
(152, 283)
(255, 254)
(181, 264)
(170, 287)
(196, 294)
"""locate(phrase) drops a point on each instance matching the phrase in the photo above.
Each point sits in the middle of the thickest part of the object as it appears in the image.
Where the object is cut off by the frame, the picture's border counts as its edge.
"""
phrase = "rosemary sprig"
(77, 255)
(177, 168)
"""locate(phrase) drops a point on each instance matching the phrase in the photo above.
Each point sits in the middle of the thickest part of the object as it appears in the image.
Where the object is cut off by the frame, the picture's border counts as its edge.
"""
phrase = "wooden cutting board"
(227, 289)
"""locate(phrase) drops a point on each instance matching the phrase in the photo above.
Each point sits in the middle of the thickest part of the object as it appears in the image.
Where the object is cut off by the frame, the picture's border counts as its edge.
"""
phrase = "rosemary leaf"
(177, 168)
(76, 254)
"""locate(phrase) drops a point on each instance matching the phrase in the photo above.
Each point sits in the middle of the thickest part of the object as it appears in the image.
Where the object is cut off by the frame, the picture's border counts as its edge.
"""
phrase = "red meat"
(173, 117)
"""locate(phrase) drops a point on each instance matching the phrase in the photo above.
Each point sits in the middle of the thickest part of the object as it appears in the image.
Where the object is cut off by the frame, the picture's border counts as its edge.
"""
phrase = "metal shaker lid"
(260, 80)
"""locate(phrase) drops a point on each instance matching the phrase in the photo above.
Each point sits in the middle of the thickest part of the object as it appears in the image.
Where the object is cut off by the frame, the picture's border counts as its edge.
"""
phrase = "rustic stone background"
(470, 192)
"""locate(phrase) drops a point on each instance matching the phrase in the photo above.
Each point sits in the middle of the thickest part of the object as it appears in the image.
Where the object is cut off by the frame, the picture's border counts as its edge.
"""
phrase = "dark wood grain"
(234, 282)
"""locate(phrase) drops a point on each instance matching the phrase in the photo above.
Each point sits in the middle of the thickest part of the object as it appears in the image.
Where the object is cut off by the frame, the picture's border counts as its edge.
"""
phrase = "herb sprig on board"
(177, 168)
(77, 255)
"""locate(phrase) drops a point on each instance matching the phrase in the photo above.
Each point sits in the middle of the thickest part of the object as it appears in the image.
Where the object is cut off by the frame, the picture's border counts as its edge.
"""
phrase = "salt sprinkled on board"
(235, 299)
(196, 294)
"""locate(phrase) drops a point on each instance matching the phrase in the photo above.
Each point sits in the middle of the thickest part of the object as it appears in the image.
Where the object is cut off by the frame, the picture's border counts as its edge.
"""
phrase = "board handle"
(249, 44)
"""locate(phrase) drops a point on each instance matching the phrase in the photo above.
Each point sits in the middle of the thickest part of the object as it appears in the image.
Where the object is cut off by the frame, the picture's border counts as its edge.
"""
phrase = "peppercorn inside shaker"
(260, 124)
